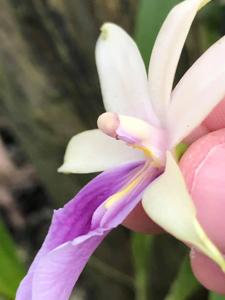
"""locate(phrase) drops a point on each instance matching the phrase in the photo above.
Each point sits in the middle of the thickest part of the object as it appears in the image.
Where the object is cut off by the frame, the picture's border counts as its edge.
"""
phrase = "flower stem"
(141, 247)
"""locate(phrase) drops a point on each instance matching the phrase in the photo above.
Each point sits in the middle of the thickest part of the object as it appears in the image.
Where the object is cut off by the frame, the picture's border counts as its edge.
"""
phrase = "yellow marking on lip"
(146, 151)
(149, 154)
(117, 196)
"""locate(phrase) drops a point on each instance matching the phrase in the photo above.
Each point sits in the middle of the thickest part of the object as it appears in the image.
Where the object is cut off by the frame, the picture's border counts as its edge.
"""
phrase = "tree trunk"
(48, 82)
(49, 91)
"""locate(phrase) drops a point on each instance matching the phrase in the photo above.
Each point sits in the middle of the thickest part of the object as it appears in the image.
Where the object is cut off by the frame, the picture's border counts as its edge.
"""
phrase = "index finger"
(214, 121)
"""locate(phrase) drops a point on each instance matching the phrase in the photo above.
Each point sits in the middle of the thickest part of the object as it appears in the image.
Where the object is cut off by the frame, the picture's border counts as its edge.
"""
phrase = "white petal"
(197, 93)
(122, 74)
(93, 151)
(168, 203)
(167, 50)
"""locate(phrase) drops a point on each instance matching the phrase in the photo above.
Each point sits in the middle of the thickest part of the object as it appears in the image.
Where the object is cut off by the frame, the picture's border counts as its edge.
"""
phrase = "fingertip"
(207, 272)
(203, 168)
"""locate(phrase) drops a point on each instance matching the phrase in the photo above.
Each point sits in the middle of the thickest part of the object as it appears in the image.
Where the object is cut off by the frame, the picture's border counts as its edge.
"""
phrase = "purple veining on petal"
(58, 271)
(114, 216)
(71, 231)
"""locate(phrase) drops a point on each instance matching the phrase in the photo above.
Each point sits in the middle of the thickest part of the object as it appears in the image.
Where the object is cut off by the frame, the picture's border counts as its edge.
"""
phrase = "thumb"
(203, 167)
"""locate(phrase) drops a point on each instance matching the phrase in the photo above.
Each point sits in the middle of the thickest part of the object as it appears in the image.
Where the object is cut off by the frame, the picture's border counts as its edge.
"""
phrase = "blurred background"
(49, 91)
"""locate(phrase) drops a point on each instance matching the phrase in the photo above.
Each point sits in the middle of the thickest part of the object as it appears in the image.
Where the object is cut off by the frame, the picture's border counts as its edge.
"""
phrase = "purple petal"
(76, 231)
(58, 271)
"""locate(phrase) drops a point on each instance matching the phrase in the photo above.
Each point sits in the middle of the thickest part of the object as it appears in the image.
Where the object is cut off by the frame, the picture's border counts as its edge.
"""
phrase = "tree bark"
(49, 91)
(48, 82)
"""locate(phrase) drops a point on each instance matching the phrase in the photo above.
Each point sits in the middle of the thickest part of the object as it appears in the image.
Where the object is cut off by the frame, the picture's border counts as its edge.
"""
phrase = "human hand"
(203, 167)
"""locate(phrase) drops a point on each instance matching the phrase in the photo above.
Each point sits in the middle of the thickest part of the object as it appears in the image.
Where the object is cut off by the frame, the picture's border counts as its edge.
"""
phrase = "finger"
(207, 272)
(203, 166)
(138, 221)
(214, 121)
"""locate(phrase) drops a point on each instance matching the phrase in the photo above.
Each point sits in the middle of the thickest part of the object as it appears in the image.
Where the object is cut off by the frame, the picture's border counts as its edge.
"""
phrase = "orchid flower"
(135, 147)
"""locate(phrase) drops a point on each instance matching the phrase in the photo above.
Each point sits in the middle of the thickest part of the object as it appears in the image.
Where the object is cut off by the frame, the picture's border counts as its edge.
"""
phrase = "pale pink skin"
(205, 177)
(203, 167)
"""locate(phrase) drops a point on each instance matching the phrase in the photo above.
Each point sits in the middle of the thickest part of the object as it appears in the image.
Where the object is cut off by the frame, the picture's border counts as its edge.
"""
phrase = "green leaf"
(185, 283)
(12, 269)
(180, 150)
(213, 296)
(151, 15)
(141, 248)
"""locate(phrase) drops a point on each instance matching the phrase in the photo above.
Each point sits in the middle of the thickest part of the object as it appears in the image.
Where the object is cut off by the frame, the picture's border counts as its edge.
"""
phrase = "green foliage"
(12, 270)
(213, 296)
(141, 248)
(150, 17)
(180, 149)
(185, 283)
